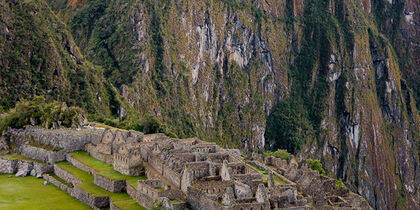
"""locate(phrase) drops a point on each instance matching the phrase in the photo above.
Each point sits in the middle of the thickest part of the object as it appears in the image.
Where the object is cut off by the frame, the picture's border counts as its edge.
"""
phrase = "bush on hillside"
(288, 126)
(316, 165)
(40, 112)
(280, 153)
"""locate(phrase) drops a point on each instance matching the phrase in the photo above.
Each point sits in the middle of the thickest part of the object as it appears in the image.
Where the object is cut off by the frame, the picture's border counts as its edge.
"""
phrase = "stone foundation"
(112, 206)
(108, 184)
(131, 191)
(79, 165)
(66, 176)
(102, 157)
(58, 184)
(90, 200)
(42, 154)
(8, 166)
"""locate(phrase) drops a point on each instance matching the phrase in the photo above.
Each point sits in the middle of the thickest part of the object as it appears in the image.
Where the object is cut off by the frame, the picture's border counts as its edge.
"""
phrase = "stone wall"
(66, 176)
(90, 200)
(196, 200)
(42, 154)
(108, 184)
(94, 153)
(8, 166)
(23, 168)
(112, 206)
(172, 175)
(156, 163)
(131, 191)
(144, 200)
(68, 139)
(79, 165)
(58, 184)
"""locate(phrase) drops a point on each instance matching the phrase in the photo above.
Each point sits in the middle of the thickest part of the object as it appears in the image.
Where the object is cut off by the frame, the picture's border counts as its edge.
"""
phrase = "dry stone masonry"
(182, 173)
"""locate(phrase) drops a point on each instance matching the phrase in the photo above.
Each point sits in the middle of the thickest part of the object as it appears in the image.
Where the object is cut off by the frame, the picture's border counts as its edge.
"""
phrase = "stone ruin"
(194, 174)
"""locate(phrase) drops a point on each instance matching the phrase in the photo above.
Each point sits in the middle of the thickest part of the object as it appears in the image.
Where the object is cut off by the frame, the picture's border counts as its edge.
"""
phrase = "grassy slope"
(102, 168)
(29, 193)
(121, 200)
(277, 179)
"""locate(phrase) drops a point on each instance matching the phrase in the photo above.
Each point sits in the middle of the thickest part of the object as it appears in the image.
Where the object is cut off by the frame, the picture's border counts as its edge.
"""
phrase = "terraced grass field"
(104, 169)
(277, 179)
(122, 200)
(30, 193)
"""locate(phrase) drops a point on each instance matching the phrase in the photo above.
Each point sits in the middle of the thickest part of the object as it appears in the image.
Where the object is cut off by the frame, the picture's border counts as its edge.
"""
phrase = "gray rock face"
(8, 166)
(228, 198)
(108, 184)
(24, 168)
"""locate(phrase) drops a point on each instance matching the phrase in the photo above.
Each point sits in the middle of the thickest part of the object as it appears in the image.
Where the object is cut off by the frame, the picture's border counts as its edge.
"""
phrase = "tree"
(288, 126)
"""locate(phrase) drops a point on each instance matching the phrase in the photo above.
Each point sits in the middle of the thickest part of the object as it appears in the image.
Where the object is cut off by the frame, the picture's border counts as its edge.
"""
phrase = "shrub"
(151, 125)
(280, 153)
(39, 112)
(316, 165)
(340, 184)
(288, 126)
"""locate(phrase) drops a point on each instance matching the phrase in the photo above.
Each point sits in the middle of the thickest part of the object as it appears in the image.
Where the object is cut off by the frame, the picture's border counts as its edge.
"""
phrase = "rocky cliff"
(217, 68)
(39, 57)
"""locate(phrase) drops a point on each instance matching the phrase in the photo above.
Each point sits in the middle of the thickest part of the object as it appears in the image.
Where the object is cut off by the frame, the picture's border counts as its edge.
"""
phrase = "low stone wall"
(66, 176)
(8, 166)
(172, 175)
(102, 157)
(144, 200)
(131, 191)
(79, 165)
(108, 184)
(42, 154)
(58, 184)
(23, 168)
(112, 206)
(69, 139)
(90, 200)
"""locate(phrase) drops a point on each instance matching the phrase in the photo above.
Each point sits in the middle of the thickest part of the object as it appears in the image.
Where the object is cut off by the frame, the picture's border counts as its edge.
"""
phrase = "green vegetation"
(276, 178)
(42, 113)
(39, 57)
(30, 193)
(102, 168)
(316, 165)
(121, 200)
(340, 184)
(287, 126)
(176, 201)
(280, 153)
(61, 180)
(16, 156)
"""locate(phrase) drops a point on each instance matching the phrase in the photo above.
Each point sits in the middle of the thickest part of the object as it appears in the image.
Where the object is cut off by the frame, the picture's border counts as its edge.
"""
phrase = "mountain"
(335, 80)
(38, 56)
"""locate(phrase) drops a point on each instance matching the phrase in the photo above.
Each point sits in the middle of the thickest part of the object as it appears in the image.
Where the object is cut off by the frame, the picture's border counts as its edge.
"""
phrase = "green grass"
(176, 201)
(30, 193)
(121, 200)
(61, 180)
(15, 156)
(263, 172)
(104, 169)
(277, 179)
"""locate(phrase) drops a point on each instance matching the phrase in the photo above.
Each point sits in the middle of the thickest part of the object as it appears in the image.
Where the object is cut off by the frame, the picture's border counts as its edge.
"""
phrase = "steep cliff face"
(216, 68)
(39, 57)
